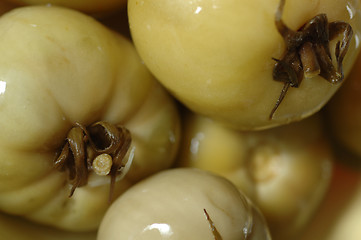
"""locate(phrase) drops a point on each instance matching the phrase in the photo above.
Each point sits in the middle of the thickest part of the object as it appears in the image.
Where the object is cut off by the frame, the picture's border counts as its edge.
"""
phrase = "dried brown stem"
(216, 234)
(84, 145)
(307, 52)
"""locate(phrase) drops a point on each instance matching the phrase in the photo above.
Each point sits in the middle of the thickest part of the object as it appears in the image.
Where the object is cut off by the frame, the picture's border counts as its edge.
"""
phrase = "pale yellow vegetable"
(215, 56)
(60, 68)
(174, 205)
(285, 171)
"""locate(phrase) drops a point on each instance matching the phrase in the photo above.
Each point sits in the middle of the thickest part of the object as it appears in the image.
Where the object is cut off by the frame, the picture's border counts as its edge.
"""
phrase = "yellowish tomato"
(60, 69)
(182, 204)
(216, 56)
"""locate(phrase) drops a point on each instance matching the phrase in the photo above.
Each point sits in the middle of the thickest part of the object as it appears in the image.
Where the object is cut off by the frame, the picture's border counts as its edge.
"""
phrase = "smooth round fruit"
(182, 204)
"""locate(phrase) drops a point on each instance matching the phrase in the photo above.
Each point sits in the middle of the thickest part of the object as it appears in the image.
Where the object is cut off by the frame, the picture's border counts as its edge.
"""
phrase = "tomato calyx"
(100, 148)
(307, 52)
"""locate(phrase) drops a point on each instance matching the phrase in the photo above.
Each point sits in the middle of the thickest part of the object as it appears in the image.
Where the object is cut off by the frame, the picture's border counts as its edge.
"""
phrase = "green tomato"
(216, 56)
(60, 70)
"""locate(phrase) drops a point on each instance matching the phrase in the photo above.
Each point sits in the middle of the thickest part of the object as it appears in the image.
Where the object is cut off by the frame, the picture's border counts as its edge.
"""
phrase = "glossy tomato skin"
(216, 56)
(59, 68)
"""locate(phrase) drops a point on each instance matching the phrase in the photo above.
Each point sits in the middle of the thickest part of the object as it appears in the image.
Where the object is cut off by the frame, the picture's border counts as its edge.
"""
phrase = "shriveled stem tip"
(102, 164)
(309, 61)
(100, 147)
(279, 100)
(216, 234)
